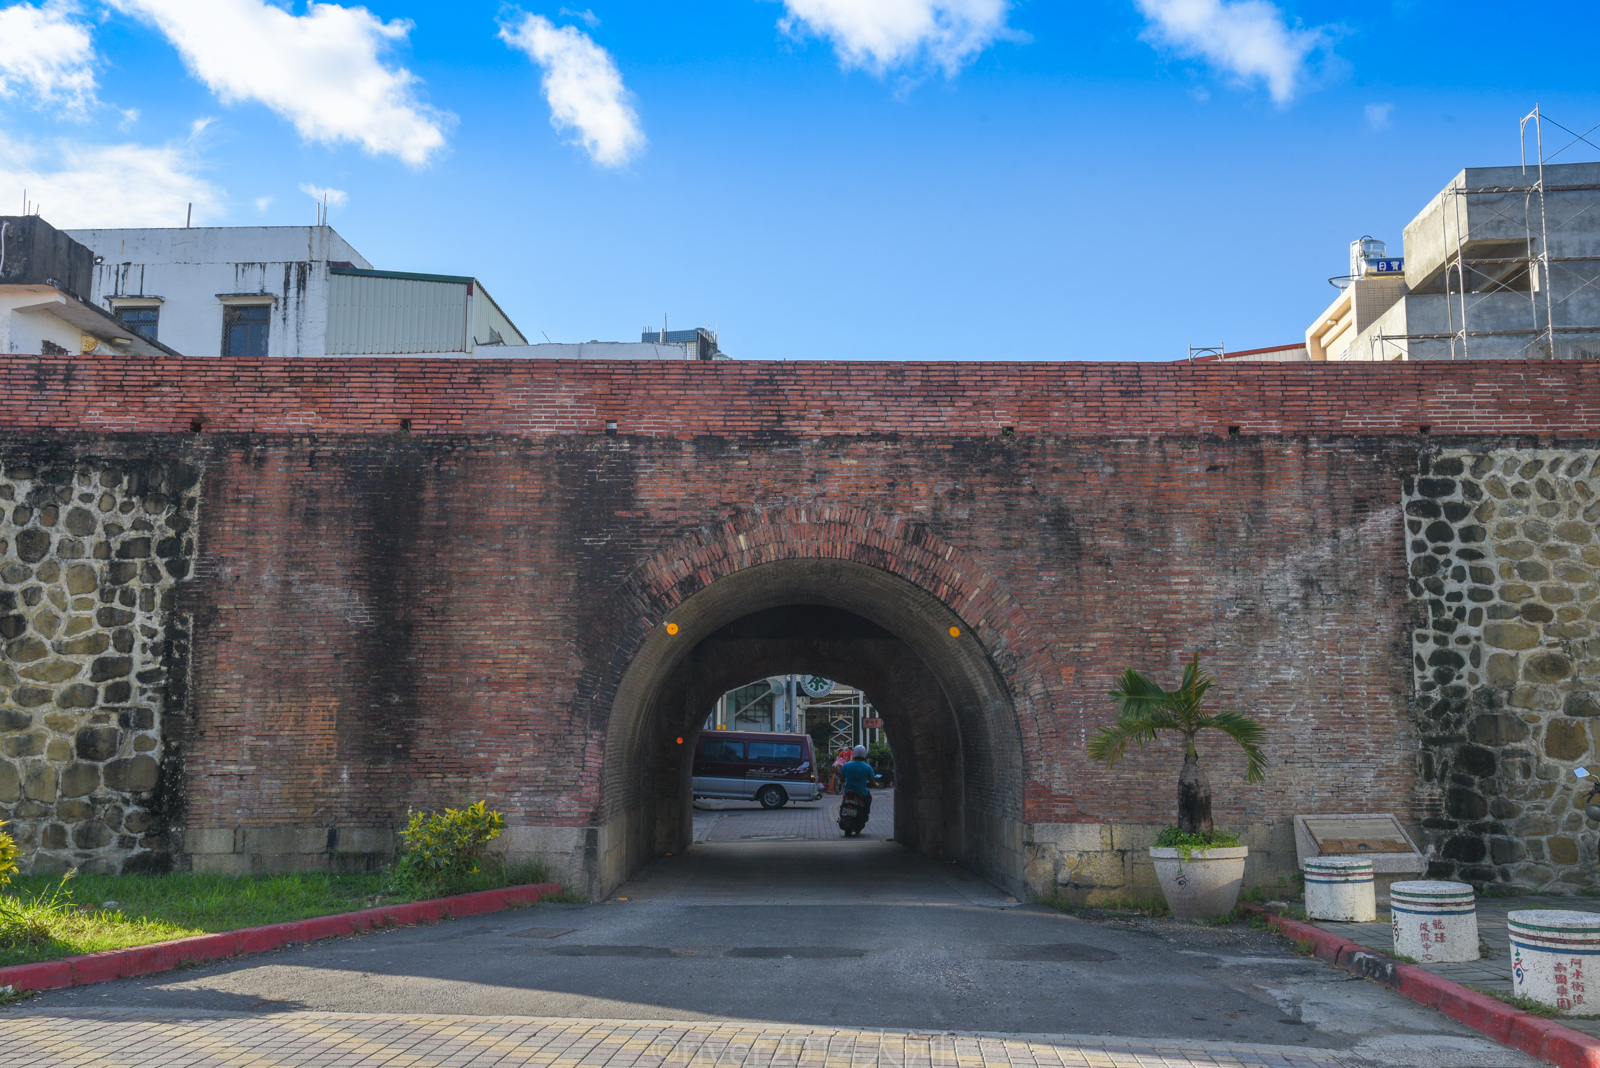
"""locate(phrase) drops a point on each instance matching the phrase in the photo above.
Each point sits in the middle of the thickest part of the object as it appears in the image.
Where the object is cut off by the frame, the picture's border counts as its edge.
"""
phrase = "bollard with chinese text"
(1434, 922)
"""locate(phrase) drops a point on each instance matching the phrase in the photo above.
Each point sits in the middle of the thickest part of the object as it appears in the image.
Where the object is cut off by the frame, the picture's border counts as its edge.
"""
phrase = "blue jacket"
(858, 777)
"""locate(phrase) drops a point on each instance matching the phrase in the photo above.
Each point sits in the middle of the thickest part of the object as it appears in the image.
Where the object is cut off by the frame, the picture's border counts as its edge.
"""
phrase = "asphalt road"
(840, 933)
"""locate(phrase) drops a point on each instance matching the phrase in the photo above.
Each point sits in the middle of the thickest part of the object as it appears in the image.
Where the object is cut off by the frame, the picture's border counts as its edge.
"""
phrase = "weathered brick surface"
(391, 616)
(737, 399)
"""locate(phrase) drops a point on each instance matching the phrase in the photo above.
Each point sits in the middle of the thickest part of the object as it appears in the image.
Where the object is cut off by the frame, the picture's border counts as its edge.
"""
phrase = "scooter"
(853, 812)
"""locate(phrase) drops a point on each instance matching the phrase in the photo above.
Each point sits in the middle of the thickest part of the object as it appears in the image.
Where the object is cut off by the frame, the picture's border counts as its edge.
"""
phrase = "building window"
(244, 330)
(141, 320)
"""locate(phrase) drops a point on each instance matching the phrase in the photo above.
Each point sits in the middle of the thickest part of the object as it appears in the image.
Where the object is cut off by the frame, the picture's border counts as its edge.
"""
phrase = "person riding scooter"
(856, 783)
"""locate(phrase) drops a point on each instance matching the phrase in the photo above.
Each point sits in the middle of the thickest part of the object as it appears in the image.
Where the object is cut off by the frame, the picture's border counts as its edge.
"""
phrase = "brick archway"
(955, 673)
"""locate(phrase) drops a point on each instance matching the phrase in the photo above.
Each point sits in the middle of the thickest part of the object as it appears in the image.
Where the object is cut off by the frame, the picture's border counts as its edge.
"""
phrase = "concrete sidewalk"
(1491, 972)
(773, 954)
(341, 1040)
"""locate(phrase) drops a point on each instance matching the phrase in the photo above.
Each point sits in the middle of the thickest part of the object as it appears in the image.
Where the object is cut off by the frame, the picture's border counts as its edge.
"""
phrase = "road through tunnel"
(945, 709)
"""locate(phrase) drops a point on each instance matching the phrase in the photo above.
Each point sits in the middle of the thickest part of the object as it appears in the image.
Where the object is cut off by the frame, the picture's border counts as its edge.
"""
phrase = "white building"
(1504, 263)
(45, 278)
(260, 291)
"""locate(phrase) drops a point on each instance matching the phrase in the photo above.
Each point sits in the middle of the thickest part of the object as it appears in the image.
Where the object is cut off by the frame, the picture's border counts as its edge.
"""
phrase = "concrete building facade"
(1504, 263)
(284, 291)
(45, 282)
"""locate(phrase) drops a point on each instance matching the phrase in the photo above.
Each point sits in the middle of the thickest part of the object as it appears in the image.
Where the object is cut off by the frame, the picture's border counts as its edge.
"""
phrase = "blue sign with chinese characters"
(1387, 266)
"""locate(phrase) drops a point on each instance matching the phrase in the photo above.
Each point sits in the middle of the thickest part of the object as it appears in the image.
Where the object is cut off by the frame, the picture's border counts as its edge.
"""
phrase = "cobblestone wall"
(1504, 560)
(89, 556)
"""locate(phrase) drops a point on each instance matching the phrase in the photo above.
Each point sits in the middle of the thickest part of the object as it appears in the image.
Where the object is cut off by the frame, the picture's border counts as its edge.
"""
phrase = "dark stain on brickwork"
(397, 548)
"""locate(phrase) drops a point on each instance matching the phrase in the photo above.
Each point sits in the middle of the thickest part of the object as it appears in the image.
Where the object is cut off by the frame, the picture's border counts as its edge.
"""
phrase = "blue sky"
(899, 179)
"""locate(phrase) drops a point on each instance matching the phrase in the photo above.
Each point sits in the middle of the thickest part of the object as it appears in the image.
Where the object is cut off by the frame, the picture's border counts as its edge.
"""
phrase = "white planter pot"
(1203, 886)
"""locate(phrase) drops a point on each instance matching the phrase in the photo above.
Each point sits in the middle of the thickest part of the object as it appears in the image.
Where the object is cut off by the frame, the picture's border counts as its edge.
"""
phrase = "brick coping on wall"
(164, 956)
(1536, 1036)
(662, 399)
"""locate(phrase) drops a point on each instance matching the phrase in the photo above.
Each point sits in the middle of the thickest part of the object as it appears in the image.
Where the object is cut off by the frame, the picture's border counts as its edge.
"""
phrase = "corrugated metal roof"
(388, 312)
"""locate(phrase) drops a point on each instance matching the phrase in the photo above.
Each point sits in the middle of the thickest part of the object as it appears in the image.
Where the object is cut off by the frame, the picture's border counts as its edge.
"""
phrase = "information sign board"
(1364, 834)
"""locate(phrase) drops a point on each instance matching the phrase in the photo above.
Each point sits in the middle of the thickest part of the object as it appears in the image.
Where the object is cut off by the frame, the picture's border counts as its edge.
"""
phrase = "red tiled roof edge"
(165, 956)
(1534, 1035)
(1242, 352)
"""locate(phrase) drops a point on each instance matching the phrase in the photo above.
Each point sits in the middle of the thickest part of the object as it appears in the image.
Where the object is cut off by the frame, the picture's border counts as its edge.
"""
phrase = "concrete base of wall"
(1093, 863)
(274, 850)
(1078, 863)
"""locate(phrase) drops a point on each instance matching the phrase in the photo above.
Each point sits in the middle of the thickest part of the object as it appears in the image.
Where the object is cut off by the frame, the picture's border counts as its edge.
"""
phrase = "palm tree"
(1144, 710)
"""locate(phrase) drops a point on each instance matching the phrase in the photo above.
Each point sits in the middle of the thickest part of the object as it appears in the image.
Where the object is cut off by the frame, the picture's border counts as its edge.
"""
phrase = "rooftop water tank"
(1364, 256)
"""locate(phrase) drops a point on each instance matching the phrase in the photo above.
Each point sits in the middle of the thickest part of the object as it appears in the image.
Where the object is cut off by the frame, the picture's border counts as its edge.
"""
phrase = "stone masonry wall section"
(1504, 561)
(90, 552)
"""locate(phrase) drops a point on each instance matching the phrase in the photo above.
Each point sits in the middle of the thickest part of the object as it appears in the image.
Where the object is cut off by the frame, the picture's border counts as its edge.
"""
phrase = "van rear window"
(722, 750)
(785, 754)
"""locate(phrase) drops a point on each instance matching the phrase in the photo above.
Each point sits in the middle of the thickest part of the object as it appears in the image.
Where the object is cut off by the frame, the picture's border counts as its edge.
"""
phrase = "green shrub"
(8, 857)
(880, 757)
(443, 849)
(1173, 838)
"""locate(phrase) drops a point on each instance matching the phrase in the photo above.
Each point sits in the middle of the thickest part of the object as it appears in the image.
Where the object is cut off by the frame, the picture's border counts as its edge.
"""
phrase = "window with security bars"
(142, 321)
(244, 330)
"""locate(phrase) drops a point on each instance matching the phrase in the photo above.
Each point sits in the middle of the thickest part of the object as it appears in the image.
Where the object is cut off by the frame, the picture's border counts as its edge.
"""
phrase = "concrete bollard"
(1434, 922)
(1340, 888)
(1554, 954)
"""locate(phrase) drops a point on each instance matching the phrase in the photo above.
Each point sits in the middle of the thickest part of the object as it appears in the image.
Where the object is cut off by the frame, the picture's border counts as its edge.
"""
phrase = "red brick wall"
(386, 619)
(538, 397)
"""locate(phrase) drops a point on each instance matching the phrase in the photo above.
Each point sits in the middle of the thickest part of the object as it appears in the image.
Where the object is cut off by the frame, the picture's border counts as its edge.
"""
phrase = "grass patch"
(568, 896)
(1527, 1005)
(1283, 891)
(1303, 947)
(1155, 905)
(1225, 920)
(43, 918)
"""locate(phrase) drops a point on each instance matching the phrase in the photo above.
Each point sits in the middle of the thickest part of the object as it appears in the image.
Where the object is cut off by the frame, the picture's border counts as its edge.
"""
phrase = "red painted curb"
(164, 956)
(1534, 1035)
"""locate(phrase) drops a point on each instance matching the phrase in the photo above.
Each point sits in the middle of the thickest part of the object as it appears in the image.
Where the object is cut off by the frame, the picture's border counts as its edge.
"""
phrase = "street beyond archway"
(754, 954)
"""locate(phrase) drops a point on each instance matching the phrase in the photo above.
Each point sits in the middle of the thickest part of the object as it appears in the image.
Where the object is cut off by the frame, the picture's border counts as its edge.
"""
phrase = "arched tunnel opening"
(949, 719)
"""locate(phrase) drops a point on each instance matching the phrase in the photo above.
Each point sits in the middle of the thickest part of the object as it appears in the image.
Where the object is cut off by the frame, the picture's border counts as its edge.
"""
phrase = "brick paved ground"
(748, 821)
(338, 1040)
(1492, 971)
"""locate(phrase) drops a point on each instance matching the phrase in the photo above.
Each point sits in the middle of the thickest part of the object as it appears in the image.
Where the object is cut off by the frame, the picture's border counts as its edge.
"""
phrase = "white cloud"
(79, 185)
(263, 203)
(46, 51)
(586, 16)
(1247, 38)
(583, 86)
(881, 35)
(334, 198)
(1378, 116)
(324, 70)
